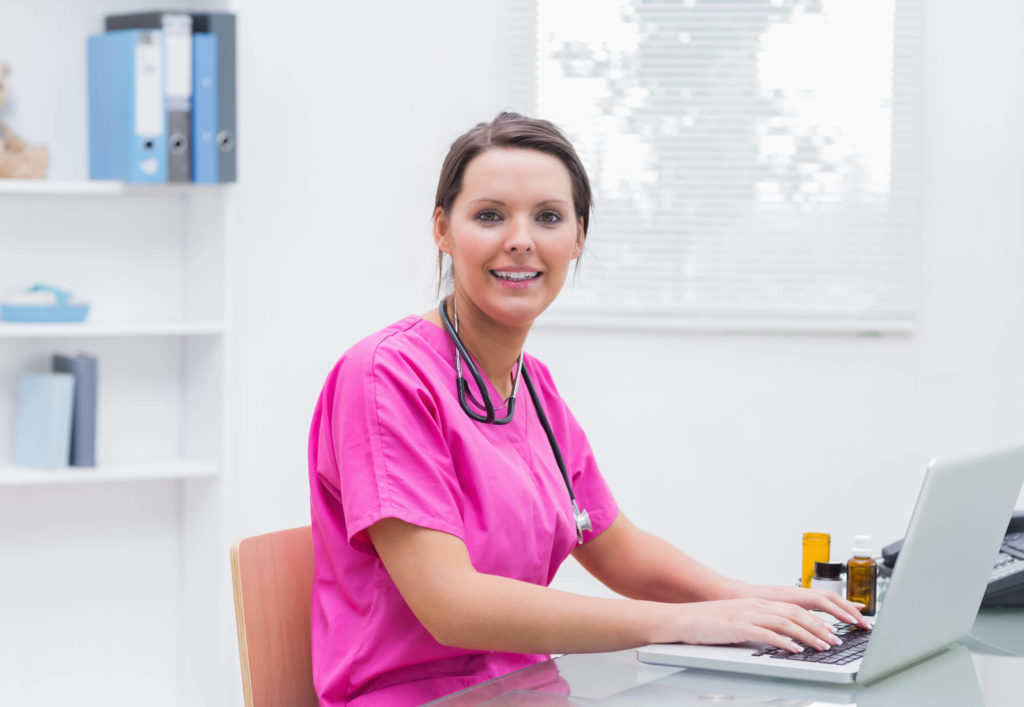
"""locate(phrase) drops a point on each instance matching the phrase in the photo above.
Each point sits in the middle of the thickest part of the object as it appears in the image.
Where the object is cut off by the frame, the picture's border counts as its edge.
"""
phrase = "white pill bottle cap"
(862, 546)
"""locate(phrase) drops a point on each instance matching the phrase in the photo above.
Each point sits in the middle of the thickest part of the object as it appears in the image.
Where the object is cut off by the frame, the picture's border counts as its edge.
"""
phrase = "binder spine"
(204, 108)
(127, 136)
(222, 24)
(178, 95)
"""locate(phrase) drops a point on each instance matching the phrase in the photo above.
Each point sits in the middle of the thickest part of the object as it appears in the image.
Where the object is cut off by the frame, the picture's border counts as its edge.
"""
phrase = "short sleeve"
(389, 447)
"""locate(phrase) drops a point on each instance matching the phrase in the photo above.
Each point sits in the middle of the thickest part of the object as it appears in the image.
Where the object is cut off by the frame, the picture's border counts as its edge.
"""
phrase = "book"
(42, 430)
(83, 415)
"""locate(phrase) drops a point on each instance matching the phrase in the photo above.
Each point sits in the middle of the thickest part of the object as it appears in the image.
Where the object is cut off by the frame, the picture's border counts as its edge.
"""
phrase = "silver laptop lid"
(946, 560)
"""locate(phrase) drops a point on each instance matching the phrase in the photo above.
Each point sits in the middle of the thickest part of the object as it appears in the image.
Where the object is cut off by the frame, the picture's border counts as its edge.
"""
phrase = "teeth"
(515, 275)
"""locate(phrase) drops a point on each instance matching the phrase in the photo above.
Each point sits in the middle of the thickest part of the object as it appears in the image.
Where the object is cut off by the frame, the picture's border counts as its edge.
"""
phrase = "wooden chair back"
(272, 577)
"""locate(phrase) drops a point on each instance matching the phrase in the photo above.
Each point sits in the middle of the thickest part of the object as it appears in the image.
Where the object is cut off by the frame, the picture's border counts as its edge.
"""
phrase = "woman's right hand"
(779, 624)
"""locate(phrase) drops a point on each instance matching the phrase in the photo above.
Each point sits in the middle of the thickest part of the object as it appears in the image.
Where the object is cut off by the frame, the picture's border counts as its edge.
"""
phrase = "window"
(754, 162)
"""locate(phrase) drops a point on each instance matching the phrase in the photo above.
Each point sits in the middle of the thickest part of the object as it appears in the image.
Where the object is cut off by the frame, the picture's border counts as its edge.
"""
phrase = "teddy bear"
(18, 160)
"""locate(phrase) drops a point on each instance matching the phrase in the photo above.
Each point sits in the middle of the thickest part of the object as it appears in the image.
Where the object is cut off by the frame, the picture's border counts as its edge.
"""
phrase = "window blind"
(755, 163)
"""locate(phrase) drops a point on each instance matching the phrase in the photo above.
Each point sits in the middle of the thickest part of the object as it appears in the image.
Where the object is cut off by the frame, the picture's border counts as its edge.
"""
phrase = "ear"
(441, 234)
(581, 236)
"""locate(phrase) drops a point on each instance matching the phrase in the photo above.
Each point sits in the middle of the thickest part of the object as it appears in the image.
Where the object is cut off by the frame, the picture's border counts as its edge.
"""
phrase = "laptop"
(935, 590)
(948, 678)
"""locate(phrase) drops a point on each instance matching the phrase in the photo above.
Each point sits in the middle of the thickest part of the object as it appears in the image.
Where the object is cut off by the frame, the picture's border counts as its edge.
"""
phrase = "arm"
(462, 607)
(637, 564)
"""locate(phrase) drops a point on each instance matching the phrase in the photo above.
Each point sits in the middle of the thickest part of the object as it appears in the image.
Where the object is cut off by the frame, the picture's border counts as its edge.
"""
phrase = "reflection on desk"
(986, 669)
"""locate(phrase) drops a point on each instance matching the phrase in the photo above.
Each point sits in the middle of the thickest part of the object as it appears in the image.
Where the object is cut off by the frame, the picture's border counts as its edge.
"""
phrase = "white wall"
(346, 111)
(729, 445)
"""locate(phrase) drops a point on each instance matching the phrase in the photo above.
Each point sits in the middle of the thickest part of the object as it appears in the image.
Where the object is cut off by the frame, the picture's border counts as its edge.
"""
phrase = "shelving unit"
(11, 476)
(112, 330)
(95, 187)
(115, 586)
(151, 261)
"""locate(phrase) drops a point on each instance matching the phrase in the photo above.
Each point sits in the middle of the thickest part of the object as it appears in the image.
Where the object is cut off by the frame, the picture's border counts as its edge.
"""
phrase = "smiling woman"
(511, 234)
(437, 529)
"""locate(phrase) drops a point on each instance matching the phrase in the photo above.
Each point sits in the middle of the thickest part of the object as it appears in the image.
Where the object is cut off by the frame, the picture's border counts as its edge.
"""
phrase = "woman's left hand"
(813, 599)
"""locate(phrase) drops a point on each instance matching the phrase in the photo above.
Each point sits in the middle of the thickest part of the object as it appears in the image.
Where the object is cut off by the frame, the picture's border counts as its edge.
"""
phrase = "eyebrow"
(499, 202)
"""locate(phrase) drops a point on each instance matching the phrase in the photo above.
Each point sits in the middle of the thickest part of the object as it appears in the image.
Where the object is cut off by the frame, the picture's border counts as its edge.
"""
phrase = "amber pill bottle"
(816, 546)
(862, 575)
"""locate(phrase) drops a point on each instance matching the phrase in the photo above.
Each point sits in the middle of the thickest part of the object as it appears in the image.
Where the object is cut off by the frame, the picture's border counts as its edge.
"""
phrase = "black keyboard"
(855, 641)
(1014, 541)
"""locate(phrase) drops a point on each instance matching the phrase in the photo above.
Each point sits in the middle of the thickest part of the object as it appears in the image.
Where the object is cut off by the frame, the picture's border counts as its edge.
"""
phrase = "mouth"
(515, 275)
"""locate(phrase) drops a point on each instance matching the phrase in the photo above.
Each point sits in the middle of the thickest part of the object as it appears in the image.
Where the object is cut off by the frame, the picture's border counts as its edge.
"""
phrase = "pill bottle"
(828, 576)
(816, 546)
(862, 575)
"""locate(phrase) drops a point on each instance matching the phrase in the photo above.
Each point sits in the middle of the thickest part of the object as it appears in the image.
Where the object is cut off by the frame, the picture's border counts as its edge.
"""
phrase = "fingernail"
(830, 627)
(799, 649)
(822, 645)
(838, 641)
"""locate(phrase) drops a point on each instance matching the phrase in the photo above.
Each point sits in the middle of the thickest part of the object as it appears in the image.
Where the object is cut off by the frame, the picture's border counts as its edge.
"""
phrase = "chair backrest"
(272, 576)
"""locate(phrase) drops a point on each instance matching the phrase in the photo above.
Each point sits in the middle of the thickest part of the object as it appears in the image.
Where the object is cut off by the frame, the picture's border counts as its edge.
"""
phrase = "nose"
(519, 237)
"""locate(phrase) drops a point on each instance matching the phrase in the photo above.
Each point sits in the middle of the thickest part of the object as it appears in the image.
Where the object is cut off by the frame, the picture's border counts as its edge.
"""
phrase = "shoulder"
(402, 354)
(384, 346)
(539, 373)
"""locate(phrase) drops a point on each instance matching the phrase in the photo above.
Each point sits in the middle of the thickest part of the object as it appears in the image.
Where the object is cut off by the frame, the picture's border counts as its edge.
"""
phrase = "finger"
(802, 632)
(822, 630)
(765, 635)
(837, 606)
(846, 610)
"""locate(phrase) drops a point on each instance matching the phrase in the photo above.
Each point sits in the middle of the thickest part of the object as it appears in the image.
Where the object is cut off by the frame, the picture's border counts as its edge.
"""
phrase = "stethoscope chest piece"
(582, 521)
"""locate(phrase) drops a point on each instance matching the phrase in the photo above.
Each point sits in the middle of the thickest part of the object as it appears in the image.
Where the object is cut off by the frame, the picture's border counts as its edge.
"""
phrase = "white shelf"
(9, 330)
(95, 187)
(146, 471)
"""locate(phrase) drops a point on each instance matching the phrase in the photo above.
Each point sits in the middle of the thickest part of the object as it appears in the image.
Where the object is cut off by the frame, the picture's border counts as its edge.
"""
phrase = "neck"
(494, 347)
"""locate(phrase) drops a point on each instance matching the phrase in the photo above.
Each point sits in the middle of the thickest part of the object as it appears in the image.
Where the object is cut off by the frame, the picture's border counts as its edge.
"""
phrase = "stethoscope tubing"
(581, 517)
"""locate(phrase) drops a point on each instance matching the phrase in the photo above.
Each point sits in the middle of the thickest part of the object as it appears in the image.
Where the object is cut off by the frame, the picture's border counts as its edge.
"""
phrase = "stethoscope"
(581, 517)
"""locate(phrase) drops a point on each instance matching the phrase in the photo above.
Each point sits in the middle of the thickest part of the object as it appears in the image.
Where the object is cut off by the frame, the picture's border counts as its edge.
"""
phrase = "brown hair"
(511, 130)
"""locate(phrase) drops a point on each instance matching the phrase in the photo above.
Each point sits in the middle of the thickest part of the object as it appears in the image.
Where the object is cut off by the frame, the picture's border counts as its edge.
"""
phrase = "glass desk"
(987, 668)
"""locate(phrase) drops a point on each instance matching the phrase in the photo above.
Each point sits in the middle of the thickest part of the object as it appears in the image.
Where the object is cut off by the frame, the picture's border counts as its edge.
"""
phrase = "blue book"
(204, 108)
(42, 431)
(127, 115)
(83, 415)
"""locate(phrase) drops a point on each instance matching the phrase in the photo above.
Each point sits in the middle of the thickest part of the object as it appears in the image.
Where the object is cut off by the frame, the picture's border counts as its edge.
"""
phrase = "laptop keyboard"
(855, 640)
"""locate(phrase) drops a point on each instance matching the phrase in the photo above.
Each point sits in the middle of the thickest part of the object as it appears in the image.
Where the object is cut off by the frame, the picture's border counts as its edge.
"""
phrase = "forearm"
(486, 612)
(462, 607)
(640, 565)
(658, 571)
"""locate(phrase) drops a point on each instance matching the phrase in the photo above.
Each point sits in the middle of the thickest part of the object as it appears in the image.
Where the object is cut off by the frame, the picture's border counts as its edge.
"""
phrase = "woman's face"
(511, 234)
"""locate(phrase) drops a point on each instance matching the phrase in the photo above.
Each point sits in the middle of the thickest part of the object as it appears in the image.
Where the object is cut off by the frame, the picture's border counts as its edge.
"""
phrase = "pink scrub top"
(389, 440)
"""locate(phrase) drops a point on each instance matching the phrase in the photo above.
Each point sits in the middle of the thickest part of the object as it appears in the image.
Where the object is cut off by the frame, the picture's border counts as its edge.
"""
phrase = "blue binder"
(42, 431)
(127, 115)
(222, 26)
(204, 108)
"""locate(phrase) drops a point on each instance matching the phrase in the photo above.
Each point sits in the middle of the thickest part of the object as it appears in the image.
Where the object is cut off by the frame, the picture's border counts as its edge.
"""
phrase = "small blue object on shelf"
(43, 303)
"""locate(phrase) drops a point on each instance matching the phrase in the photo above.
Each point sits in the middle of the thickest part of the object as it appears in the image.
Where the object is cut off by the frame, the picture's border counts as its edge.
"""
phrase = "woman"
(438, 522)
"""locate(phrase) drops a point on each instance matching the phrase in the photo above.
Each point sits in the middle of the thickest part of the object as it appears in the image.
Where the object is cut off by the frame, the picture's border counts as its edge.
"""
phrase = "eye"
(488, 216)
(549, 217)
